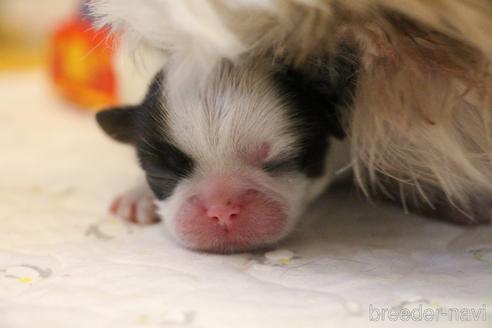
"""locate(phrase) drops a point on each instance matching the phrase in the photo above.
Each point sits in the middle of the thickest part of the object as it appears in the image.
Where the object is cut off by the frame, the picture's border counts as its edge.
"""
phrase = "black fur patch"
(142, 125)
(318, 92)
(164, 164)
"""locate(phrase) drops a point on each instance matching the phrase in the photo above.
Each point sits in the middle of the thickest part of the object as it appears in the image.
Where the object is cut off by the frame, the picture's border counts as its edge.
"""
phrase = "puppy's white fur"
(424, 95)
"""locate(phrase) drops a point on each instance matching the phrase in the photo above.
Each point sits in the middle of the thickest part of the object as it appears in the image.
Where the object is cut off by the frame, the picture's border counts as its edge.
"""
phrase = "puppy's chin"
(228, 246)
(222, 243)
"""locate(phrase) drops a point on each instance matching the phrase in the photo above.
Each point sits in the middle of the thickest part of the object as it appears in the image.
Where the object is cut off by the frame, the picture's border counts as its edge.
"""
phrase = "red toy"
(82, 64)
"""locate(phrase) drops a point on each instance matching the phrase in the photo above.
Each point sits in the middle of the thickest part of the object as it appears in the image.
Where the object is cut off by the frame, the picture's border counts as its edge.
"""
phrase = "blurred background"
(85, 66)
(26, 27)
(58, 171)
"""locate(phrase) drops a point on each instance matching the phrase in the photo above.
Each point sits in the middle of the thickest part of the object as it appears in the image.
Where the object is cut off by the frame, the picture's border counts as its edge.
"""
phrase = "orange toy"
(82, 64)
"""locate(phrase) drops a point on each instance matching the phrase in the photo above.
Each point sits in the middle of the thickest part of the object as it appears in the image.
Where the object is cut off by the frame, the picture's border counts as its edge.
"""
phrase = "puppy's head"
(234, 161)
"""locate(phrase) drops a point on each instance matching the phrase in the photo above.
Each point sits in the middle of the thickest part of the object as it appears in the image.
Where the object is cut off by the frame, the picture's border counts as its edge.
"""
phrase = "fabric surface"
(65, 263)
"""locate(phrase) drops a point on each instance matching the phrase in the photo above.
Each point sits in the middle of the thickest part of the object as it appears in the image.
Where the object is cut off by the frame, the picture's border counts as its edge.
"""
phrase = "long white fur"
(424, 95)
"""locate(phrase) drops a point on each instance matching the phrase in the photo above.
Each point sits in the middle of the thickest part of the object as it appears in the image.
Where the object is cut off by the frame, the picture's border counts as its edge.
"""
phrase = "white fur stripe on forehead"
(237, 110)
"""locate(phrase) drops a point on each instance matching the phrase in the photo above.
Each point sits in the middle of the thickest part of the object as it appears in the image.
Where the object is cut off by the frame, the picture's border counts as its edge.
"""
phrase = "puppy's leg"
(136, 205)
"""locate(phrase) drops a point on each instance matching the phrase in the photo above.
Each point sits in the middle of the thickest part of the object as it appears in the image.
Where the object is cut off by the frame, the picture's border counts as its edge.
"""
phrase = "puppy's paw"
(136, 205)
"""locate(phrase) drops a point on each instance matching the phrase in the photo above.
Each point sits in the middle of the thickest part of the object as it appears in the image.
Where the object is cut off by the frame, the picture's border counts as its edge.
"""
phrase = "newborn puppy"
(233, 161)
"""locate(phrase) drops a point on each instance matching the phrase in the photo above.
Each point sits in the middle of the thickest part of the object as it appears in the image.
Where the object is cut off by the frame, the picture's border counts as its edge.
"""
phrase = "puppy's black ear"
(119, 123)
(322, 87)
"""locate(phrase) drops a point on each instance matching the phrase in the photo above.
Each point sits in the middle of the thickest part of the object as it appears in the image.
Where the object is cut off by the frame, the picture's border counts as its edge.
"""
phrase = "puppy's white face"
(233, 160)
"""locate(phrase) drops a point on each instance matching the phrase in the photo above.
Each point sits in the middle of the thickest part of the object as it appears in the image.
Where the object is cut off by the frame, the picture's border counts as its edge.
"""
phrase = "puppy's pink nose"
(223, 213)
(224, 216)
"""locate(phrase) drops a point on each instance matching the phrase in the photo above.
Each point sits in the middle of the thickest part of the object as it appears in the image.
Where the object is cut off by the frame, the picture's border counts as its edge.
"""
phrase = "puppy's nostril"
(222, 214)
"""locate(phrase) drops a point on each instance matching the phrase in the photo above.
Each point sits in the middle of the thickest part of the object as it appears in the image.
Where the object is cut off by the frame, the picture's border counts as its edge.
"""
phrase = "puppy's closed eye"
(164, 165)
(282, 165)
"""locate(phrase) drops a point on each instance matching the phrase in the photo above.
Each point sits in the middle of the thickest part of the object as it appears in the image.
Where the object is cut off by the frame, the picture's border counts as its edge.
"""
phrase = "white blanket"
(65, 263)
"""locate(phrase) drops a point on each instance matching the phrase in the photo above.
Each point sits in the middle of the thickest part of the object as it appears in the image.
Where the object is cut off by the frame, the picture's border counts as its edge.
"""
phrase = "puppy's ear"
(119, 123)
(323, 88)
